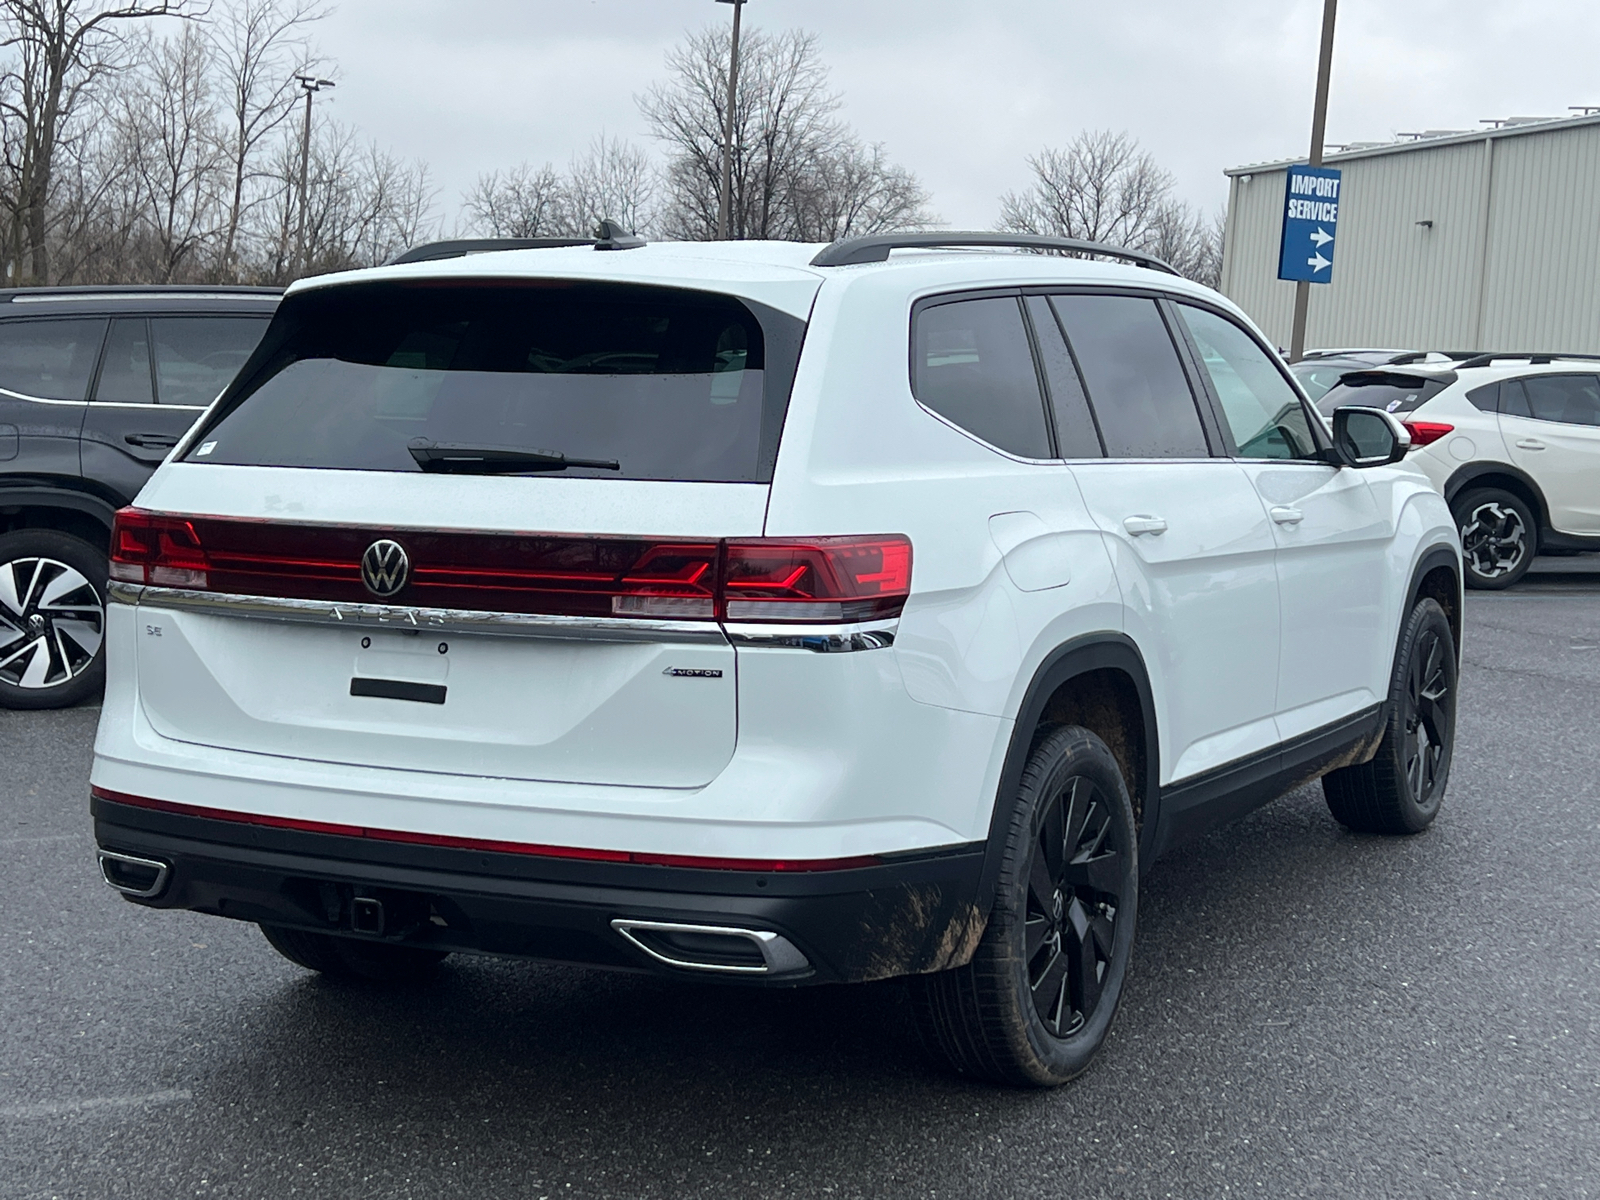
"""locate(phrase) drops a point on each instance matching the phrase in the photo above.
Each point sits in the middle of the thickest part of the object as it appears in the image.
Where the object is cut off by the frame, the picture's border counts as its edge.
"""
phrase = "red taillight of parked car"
(151, 548)
(770, 580)
(1423, 432)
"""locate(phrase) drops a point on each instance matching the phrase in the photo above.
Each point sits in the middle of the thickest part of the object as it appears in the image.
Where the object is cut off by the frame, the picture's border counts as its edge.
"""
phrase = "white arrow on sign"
(1318, 263)
(1321, 237)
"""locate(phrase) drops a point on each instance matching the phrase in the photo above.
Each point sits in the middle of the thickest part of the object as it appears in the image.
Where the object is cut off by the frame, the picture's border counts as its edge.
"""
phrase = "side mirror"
(1368, 437)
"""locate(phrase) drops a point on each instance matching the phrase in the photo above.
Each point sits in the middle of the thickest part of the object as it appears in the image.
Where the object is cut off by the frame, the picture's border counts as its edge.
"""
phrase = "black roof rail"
(1535, 358)
(138, 289)
(852, 251)
(608, 236)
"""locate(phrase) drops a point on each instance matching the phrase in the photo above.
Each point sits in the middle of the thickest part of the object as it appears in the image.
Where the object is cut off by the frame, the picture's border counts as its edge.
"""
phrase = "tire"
(352, 958)
(52, 619)
(1499, 537)
(1037, 1000)
(1400, 790)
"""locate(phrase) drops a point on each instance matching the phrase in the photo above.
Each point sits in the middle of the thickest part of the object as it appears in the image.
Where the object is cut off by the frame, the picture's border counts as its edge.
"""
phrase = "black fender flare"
(1433, 558)
(1090, 652)
(1464, 477)
(47, 496)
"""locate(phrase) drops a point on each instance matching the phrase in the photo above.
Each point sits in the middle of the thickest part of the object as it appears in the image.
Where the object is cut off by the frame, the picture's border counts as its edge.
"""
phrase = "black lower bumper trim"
(904, 915)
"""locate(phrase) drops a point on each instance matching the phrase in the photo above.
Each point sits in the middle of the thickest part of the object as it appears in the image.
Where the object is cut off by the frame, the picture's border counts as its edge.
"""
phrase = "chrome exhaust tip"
(141, 878)
(723, 949)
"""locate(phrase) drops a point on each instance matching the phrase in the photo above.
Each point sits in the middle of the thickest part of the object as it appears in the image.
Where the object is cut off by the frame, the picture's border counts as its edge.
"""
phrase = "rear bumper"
(905, 914)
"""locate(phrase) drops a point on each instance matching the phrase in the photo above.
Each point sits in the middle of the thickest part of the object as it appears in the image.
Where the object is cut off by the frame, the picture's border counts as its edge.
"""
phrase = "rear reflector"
(692, 862)
(791, 580)
(1423, 432)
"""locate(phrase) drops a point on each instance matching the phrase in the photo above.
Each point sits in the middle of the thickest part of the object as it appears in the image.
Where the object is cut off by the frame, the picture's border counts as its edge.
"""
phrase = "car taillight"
(149, 548)
(816, 579)
(1423, 432)
(773, 580)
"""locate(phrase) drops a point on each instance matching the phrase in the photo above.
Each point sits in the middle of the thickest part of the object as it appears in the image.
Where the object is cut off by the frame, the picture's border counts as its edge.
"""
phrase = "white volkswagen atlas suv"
(1513, 443)
(761, 612)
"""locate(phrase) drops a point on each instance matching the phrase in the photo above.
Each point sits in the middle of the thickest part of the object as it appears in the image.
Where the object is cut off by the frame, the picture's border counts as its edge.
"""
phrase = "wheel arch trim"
(1472, 473)
(1068, 661)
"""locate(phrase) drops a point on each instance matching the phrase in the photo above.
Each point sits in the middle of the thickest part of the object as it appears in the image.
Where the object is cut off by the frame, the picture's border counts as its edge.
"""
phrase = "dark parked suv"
(96, 385)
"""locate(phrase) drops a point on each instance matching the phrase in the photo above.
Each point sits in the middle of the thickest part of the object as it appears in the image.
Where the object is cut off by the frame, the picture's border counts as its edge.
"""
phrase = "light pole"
(725, 204)
(312, 85)
(1319, 125)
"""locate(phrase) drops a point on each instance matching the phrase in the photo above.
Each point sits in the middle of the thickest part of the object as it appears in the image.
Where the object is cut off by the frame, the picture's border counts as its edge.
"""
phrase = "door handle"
(1284, 515)
(151, 441)
(1530, 444)
(1142, 524)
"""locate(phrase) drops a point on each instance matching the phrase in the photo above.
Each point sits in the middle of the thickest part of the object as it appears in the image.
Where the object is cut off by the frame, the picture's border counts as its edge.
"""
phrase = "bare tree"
(855, 193)
(259, 46)
(525, 202)
(614, 180)
(1103, 188)
(63, 49)
(791, 153)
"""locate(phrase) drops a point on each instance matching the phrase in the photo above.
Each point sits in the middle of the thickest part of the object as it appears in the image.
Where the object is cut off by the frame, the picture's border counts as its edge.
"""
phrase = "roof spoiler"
(608, 236)
(853, 251)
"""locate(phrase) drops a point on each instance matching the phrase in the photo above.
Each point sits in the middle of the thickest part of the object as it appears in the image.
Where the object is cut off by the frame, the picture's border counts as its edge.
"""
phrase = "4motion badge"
(693, 673)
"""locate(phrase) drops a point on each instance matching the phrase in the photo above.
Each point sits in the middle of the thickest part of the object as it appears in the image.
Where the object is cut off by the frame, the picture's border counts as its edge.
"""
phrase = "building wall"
(1510, 262)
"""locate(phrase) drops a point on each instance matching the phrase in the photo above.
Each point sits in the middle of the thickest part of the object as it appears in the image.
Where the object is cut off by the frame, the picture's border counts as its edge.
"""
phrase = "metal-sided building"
(1487, 240)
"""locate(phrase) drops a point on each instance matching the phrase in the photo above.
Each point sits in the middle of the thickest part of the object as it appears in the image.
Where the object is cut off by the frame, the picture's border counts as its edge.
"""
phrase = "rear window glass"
(664, 383)
(1390, 392)
(51, 359)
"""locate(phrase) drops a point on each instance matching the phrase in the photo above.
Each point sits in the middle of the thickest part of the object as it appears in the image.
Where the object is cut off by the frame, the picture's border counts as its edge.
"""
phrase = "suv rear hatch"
(470, 527)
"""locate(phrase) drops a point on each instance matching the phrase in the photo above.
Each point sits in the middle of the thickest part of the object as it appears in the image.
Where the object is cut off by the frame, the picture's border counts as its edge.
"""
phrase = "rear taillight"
(149, 548)
(1423, 432)
(771, 580)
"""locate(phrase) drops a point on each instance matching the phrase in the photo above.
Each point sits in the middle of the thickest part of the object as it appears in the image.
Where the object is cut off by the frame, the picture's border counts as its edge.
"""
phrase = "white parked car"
(1511, 441)
(788, 614)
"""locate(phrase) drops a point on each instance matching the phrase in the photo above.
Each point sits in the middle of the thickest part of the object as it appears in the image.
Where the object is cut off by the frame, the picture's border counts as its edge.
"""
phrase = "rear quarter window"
(669, 384)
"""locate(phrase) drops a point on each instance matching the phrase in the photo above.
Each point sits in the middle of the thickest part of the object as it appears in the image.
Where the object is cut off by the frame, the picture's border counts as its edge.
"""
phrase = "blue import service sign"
(1310, 224)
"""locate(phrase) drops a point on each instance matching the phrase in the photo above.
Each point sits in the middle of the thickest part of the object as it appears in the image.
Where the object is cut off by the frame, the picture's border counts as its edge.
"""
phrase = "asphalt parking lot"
(1311, 1013)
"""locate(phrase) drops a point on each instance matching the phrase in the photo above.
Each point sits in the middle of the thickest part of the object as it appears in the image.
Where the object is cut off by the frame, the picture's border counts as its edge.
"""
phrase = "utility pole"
(725, 204)
(312, 85)
(1319, 125)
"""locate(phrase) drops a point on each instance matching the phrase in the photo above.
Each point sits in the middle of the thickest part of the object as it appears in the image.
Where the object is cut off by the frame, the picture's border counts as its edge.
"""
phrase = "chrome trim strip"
(436, 620)
(780, 955)
(820, 639)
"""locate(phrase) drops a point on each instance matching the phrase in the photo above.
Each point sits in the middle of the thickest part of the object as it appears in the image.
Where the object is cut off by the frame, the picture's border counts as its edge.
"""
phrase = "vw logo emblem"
(385, 568)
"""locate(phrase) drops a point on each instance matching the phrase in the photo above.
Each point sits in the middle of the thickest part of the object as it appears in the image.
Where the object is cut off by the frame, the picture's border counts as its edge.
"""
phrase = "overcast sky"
(962, 91)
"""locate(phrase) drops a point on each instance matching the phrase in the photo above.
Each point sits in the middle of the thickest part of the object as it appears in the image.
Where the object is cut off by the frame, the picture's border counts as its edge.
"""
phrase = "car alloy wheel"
(52, 621)
(1074, 878)
(1494, 539)
(1427, 718)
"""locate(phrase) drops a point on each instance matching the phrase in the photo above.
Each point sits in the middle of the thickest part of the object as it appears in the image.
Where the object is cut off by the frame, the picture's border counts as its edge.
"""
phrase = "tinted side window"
(1263, 412)
(196, 357)
(1076, 436)
(1485, 398)
(1568, 399)
(971, 363)
(1136, 383)
(125, 373)
(52, 358)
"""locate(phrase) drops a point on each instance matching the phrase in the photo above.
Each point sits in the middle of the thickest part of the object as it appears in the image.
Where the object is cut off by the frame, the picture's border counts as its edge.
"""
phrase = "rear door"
(1332, 541)
(377, 588)
(45, 366)
(1192, 547)
(158, 374)
(1551, 425)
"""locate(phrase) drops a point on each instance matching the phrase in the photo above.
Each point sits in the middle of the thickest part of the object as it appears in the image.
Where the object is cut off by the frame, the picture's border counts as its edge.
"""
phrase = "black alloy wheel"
(52, 619)
(1499, 537)
(1400, 790)
(1038, 998)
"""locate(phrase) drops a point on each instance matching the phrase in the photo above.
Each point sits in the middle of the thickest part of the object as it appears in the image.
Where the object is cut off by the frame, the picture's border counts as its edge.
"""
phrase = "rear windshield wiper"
(453, 458)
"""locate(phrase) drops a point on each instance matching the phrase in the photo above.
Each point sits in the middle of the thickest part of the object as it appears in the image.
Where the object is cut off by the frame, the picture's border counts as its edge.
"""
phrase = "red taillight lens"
(816, 579)
(147, 548)
(1423, 432)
